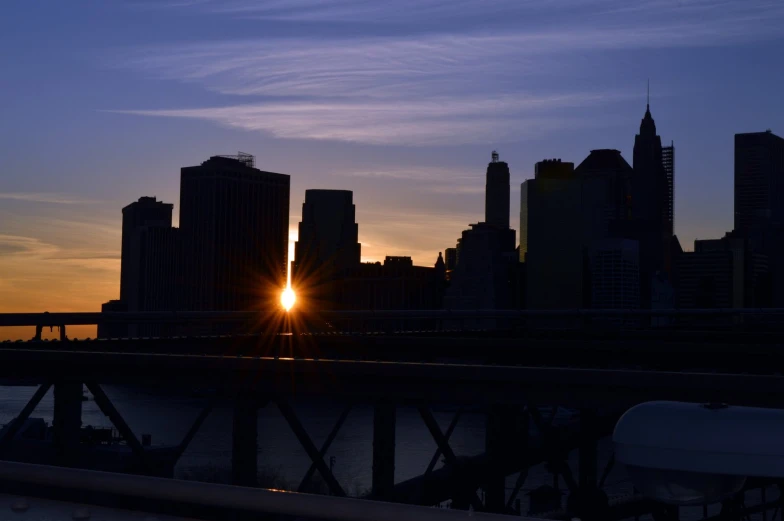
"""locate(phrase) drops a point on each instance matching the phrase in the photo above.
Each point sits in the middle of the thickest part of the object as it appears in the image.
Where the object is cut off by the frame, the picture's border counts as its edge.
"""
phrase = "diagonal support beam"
(17, 423)
(443, 444)
(183, 446)
(310, 448)
(118, 421)
(325, 447)
(447, 435)
(517, 487)
(523, 476)
(607, 469)
(552, 450)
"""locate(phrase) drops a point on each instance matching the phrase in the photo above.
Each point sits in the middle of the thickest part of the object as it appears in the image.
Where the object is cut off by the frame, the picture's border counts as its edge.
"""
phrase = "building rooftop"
(603, 160)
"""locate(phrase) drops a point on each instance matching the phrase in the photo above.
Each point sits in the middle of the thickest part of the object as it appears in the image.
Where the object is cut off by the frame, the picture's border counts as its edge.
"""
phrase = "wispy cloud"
(433, 11)
(440, 84)
(448, 121)
(37, 197)
(20, 246)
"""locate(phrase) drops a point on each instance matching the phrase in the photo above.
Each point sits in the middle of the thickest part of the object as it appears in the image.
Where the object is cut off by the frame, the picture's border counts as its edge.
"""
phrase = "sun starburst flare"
(287, 298)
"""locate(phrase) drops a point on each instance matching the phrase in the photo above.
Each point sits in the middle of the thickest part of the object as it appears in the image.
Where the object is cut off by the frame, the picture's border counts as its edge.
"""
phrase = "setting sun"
(287, 298)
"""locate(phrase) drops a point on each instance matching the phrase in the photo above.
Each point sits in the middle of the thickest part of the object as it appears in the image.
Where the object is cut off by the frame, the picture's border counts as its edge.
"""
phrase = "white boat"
(687, 453)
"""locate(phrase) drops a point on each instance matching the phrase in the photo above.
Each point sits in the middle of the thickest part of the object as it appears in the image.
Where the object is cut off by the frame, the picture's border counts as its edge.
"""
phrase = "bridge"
(515, 372)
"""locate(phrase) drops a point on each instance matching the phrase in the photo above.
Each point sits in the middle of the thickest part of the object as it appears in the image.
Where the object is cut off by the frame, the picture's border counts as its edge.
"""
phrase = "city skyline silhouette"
(145, 109)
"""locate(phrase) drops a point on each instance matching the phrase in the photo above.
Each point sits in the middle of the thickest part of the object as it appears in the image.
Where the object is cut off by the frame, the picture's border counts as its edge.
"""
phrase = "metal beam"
(226, 499)
(556, 458)
(384, 431)
(244, 447)
(607, 469)
(438, 436)
(106, 407)
(93, 318)
(325, 447)
(13, 427)
(67, 421)
(302, 435)
(526, 442)
(183, 446)
(447, 435)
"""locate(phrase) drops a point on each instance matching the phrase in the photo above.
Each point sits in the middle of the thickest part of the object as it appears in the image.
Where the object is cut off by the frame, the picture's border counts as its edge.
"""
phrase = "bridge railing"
(211, 501)
(212, 322)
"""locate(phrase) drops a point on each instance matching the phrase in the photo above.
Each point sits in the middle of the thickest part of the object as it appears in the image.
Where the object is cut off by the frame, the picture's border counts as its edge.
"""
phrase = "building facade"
(145, 214)
(723, 273)
(327, 245)
(550, 224)
(651, 203)
(526, 193)
(394, 285)
(668, 160)
(484, 277)
(497, 193)
(234, 220)
(759, 181)
(615, 274)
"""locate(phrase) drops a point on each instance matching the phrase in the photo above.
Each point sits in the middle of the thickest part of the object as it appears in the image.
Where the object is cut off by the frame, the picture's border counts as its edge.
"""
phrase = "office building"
(606, 195)
(484, 277)
(450, 258)
(526, 190)
(397, 284)
(668, 160)
(113, 329)
(615, 274)
(486, 269)
(148, 266)
(759, 200)
(551, 237)
(759, 181)
(723, 273)
(497, 193)
(327, 243)
(235, 222)
(144, 214)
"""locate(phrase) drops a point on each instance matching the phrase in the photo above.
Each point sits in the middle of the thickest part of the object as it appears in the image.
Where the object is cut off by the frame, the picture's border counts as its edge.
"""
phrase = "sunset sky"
(102, 101)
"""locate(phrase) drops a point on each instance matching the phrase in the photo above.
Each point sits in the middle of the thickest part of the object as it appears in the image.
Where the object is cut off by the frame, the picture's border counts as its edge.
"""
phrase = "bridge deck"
(407, 381)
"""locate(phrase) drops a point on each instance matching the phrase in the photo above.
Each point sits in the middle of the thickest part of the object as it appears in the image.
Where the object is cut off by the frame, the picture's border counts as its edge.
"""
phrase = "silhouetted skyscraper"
(235, 223)
(485, 273)
(328, 240)
(526, 194)
(651, 204)
(759, 181)
(145, 213)
(668, 160)
(723, 273)
(759, 200)
(606, 204)
(326, 248)
(615, 274)
(606, 180)
(497, 193)
(148, 266)
(450, 258)
(484, 276)
(554, 256)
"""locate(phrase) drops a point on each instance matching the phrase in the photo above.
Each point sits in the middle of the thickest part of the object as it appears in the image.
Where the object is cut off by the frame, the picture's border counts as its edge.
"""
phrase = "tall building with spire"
(651, 203)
